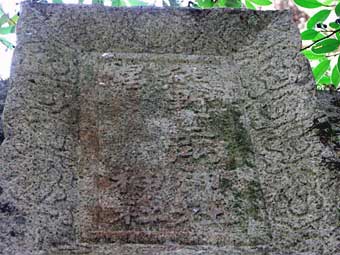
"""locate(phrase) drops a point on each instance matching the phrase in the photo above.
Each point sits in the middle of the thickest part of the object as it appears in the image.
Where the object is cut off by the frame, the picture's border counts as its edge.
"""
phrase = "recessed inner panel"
(162, 155)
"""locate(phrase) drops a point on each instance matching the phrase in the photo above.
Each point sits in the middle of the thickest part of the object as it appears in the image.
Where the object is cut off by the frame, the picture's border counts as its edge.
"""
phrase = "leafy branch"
(315, 42)
(324, 41)
(7, 26)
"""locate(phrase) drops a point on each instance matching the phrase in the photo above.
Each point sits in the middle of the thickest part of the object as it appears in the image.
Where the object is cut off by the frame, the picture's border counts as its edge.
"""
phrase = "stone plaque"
(137, 131)
(161, 144)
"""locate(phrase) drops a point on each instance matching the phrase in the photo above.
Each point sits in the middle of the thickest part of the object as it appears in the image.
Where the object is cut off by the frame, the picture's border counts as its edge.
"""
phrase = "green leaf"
(3, 19)
(262, 2)
(81, 1)
(228, 3)
(14, 20)
(325, 46)
(312, 56)
(123, 3)
(97, 1)
(325, 80)
(7, 30)
(320, 69)
(334, 25)
(310, 34)
(249, 5)
(335, 76)
(115, 3)
(319, 17)
(337, 9)
(205, 3)
(337, 34)
(318, 37)
(327, 2)
(11, 21)
(7, 43)
(219, 3)
(57, 1)
(134, 3)
(308, 3)
(338, 63)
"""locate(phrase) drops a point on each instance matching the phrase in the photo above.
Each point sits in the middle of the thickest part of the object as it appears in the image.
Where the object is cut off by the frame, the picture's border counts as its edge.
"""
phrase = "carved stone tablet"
(163, 131)
(160, 137)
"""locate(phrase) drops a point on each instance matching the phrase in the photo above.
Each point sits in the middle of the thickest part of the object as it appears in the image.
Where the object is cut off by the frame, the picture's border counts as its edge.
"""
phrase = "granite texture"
(163, 131)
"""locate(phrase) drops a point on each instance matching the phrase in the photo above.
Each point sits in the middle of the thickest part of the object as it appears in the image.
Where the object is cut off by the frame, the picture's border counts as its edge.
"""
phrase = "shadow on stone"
(3, 94)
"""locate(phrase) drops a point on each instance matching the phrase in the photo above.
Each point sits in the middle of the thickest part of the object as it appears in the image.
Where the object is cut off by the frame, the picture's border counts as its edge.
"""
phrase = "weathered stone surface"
(328, 126)
(3, 94)
(163, 131)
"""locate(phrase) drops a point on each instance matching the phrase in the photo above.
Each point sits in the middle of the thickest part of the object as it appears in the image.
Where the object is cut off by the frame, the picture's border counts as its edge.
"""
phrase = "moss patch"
(228, 126)
(248, 200)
